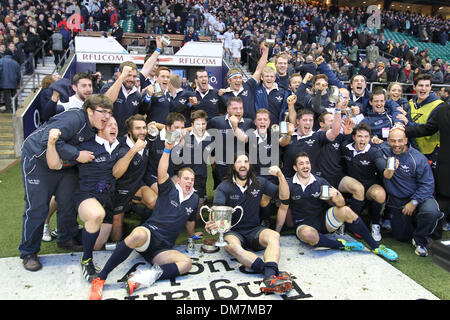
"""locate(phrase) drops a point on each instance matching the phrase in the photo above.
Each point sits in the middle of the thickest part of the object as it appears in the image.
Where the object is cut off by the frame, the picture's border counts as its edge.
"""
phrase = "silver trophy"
(221, 215)
(152, 133)
(173, 136)
(390, 163)
(325, 192)
(333, 96)
(158, 90)
(165, 40)
(284, 125)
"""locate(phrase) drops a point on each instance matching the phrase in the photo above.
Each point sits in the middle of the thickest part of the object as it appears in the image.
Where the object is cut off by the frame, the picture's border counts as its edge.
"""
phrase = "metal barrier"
(36, 76)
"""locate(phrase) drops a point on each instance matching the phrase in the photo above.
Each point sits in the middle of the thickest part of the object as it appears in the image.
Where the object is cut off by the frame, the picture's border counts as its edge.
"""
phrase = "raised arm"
(54, 162)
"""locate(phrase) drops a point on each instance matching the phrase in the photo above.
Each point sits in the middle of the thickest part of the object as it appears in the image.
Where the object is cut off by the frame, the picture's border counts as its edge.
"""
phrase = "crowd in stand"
(116, 143)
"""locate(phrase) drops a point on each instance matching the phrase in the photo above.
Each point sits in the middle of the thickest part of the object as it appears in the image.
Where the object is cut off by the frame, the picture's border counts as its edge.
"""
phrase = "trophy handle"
(201, 215)
(242, 214)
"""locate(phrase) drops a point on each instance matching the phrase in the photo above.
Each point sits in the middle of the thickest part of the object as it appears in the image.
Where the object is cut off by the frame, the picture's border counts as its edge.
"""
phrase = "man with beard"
(81, 85)
(313, 217)
(130, 170)
(242, 187)
(124, 94)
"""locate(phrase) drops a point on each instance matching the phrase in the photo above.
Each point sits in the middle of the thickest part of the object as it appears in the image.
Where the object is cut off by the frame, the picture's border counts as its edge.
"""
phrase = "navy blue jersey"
(75, 128)
(136, 169)
(169, 216)
(157, 109)
(230, 194)
(156, 149)
(180, 103)
(274, 102)
(262, 149)
(209, 102)
(306, 204)
(222, 124)
(124, 106)
(247, 94)
(331, 165)
(361, 165)
(96, 176)
(311, 144)
(193, 152)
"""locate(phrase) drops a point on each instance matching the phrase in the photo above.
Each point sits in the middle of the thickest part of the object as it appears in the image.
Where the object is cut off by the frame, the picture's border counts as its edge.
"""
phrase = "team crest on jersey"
(310, 142)
(365, 162)
(279, 98)
(316, 195)
(244, 93)
(135, 103)
(189, 210)
(182, 101)
(336, 145)
(100, 159)
(214, 101)
(405, 168)
(255, 193)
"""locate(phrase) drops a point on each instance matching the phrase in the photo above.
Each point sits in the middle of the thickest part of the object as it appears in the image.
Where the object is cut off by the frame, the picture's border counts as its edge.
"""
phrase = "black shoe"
(89, 270)
(31, 262)
(72, 245)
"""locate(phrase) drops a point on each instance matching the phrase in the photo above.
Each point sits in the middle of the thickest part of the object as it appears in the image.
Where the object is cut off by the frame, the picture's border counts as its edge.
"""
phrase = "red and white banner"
(118, 58)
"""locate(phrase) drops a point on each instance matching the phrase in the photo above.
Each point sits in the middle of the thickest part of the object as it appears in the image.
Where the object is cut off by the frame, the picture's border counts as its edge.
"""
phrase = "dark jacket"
(9, 73)
(439, 122)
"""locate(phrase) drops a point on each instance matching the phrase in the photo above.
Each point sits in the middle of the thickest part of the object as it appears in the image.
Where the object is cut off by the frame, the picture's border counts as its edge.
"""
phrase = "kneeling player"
(314, 218)
(175, 208)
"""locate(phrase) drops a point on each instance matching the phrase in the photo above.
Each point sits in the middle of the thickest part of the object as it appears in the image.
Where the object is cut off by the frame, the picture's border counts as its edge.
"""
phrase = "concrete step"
(7, 145)
(7, 154)
(6, 129)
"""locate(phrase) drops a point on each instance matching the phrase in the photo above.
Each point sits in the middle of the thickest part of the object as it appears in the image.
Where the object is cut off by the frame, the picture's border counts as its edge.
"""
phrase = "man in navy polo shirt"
(130, 170)
(175, 209)
(244, 90)
(314, 217)
(174, 121)
(359, 160)
(158, 102)
(228, 126)
(40, 182)
(304, 139)
(270, 96)
(124, 94)
(207, 96)
(242, 187)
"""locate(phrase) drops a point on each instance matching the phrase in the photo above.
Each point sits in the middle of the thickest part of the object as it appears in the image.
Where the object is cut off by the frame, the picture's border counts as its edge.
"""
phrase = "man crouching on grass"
(175, 208)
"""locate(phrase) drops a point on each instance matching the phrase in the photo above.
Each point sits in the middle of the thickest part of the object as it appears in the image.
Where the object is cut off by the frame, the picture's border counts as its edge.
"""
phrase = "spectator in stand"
(57, 46)
(9, 79)
(191, 35)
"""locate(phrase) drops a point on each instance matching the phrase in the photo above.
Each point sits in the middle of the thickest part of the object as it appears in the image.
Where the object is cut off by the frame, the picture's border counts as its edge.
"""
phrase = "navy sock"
(119, 255)
(326, 242)
(89, 243)
(258, 265)
(270, 269)
(375, 212)
(356, 205)
(358, 226)
(170, 270)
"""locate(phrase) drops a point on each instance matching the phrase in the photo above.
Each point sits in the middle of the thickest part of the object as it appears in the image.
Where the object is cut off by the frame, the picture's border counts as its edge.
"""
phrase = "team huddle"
(309, 149)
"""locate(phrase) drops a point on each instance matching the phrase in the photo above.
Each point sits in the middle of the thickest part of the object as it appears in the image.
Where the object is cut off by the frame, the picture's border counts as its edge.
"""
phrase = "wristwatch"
(414, 202)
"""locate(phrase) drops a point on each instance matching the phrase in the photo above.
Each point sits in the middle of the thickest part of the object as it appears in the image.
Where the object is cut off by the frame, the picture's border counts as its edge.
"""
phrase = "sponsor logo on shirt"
(235, 197)
(100, 159)
(34, 181)
(174, 203)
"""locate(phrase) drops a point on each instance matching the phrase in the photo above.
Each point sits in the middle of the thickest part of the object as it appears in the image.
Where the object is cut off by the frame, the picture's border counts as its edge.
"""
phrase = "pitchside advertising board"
(88, 58)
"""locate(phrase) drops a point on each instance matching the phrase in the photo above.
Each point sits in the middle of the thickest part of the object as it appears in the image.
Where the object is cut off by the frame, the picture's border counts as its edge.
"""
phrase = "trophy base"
(223, 243)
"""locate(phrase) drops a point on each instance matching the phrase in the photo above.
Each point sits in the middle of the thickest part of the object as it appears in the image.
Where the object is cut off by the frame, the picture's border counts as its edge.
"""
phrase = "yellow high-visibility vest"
(421, 115)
